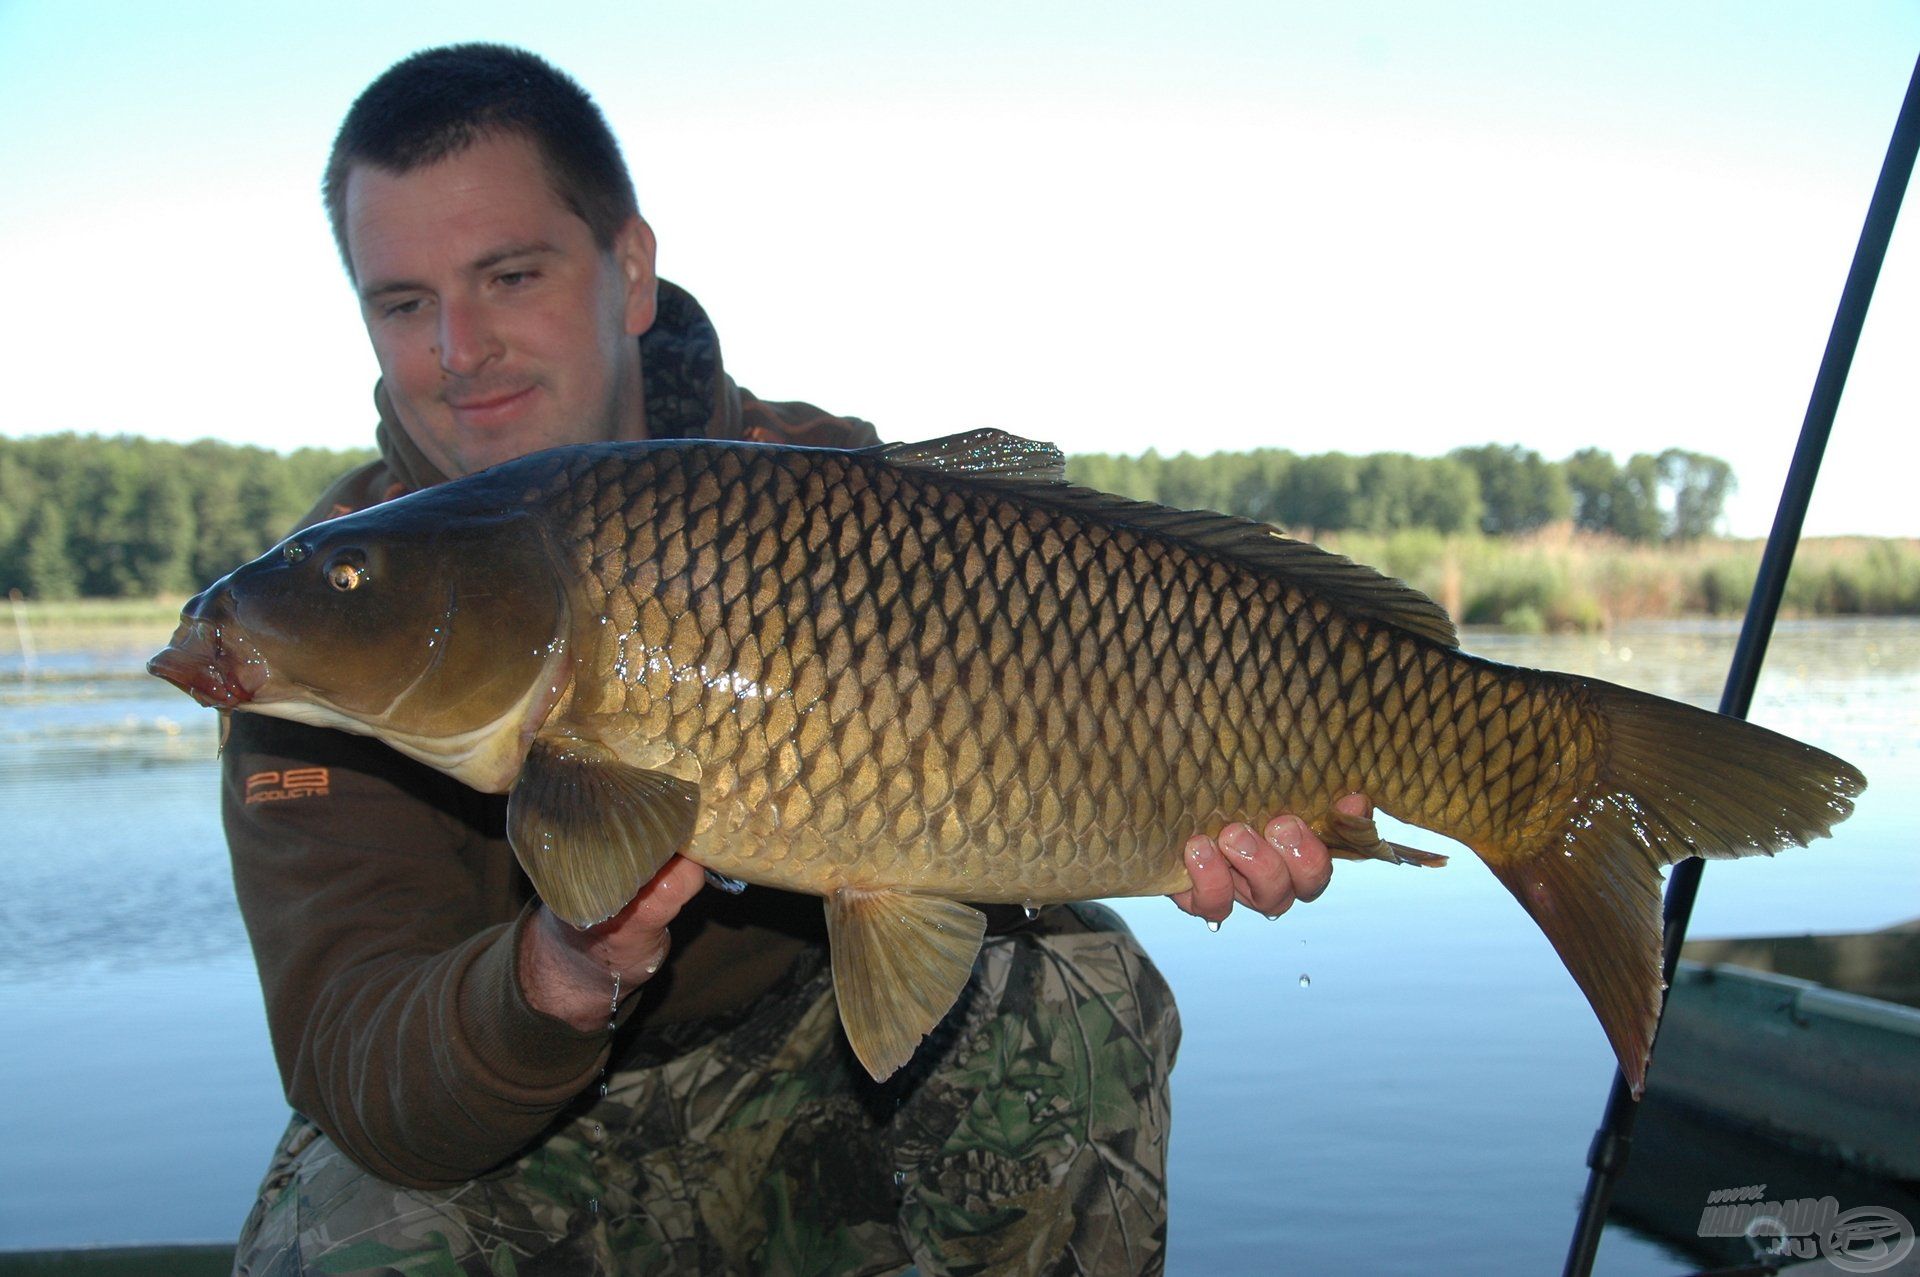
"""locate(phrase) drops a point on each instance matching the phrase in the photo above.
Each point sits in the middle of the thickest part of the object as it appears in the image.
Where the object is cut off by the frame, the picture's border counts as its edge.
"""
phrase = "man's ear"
(633, 249)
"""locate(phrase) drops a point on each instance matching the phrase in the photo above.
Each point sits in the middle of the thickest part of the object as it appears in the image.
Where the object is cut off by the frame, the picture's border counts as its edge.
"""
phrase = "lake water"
(1398, 1078)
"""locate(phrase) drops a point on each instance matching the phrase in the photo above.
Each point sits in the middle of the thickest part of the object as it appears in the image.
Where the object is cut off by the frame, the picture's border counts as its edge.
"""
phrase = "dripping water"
(599, 1131)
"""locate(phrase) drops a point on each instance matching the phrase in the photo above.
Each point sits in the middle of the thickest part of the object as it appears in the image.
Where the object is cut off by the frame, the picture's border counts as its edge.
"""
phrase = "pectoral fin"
(899, 963)
(591, 830)
(1358, 838)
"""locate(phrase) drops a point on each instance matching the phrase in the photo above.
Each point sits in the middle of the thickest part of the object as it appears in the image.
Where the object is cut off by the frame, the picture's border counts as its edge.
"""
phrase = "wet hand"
(568, 973)
(1267, 874)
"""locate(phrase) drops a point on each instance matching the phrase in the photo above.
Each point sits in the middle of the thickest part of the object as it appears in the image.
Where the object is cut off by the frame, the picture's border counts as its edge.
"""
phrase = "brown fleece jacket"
(384, 903)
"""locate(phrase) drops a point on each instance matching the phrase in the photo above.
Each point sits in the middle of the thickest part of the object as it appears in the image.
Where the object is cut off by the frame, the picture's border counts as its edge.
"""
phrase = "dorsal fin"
(981, 454)
(1035, 472)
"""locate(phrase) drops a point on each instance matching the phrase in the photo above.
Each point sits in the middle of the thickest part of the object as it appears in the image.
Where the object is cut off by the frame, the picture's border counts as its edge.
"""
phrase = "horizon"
(1241, 226)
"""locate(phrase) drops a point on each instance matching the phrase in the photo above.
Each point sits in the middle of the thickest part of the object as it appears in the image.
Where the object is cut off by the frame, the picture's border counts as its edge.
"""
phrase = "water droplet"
(593, 1206)
(1031, 910)
(1306, 981)
(1213, 924)
(603, 1090)
(899, 1178)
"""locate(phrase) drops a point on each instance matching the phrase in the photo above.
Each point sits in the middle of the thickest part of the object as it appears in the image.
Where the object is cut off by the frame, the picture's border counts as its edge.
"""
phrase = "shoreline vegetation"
(1561, 580)
(1556, 580)
(101, 532)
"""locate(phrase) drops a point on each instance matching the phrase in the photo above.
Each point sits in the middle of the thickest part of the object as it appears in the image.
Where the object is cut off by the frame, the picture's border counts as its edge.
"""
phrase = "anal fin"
(1358, 838)
(591, 830)
(899, 963)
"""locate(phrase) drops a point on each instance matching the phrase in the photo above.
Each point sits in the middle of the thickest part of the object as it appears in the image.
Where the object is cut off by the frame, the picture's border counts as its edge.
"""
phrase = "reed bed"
(1560, 580)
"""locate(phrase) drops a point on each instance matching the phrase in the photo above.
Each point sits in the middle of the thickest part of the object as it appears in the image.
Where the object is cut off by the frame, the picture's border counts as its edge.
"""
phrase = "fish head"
(440, 631)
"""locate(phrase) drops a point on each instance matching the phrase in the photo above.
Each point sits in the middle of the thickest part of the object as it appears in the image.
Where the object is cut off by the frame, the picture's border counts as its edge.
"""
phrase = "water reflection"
(113, 852)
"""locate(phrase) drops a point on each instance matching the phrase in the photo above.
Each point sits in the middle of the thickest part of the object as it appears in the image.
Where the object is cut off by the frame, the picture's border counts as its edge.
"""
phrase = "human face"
(500, 326)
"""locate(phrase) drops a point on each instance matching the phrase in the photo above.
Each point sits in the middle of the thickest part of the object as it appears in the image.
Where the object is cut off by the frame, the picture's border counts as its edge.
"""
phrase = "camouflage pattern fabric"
(1029, 1135)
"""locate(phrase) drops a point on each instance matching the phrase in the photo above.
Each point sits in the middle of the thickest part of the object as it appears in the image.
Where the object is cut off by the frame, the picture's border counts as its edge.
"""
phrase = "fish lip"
(215, 666)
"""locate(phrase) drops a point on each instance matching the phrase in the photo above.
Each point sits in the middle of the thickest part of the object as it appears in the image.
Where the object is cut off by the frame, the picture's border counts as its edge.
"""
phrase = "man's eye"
(516, 278)
(394, 310)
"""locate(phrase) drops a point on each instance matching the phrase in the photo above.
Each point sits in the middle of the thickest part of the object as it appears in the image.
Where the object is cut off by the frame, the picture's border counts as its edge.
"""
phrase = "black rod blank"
(1607, 1157)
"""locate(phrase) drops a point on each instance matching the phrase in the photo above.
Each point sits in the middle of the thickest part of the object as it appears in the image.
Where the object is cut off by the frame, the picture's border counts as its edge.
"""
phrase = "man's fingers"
(1263, 877)
(666, 893)
(1355, 805)
(1309, 867)
(1212, 894)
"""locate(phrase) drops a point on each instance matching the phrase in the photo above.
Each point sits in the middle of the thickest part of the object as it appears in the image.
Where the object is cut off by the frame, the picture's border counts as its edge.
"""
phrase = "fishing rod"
(1607, 1157)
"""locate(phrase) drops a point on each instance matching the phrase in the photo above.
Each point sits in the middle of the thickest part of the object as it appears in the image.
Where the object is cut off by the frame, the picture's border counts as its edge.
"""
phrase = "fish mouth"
(215, 666)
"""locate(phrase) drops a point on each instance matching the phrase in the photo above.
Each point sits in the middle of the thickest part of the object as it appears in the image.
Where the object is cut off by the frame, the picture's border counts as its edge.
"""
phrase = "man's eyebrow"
(388, 287)
(532, 248)
(485, 262)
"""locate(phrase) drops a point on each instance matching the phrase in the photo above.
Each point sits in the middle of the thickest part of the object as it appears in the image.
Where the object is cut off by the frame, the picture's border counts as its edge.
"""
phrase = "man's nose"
(467, 339)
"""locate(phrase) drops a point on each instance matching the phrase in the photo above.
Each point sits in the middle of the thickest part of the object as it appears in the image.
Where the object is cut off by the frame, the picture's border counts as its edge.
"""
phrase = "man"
(481, 1086)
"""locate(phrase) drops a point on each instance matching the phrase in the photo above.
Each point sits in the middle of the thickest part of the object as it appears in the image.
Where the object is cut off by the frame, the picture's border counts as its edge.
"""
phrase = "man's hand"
(568, 973)
(1265, 874)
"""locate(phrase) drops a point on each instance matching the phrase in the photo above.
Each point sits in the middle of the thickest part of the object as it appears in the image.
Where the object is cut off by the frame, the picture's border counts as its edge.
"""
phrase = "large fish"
(921, 674)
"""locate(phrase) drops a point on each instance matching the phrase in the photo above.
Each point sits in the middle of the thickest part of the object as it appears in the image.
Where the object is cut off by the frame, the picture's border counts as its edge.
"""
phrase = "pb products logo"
(295, 782)
(1866, 1239)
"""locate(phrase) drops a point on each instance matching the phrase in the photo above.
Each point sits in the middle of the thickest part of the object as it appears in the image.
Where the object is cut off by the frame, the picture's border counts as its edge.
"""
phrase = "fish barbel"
(921, 674)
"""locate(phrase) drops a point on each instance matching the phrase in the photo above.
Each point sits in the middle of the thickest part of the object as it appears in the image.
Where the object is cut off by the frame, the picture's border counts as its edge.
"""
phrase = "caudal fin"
(1674, 781)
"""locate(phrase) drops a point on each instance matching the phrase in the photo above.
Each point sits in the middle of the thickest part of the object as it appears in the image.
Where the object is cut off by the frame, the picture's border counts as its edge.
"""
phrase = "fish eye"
(295, 551)
(347, 570)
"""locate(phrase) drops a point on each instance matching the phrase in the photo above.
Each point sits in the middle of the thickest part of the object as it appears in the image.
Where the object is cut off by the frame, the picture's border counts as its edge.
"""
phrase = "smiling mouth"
(491, 403)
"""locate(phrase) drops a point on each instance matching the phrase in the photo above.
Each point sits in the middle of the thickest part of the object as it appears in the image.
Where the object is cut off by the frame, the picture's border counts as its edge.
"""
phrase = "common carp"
(923, 674)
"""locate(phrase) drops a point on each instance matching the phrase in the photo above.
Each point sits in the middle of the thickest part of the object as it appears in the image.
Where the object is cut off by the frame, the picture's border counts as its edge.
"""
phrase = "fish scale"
(922, 674)
(868, 581)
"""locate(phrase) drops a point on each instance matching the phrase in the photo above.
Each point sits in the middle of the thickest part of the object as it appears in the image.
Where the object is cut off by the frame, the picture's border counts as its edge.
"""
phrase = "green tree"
(1634, 510)
(1319, 492)
(1446, 496)
(1694, 489)
(17, 498)
(1258, 485)
(119, 516)
(160, 534)
(46, 569)
(1519, 490)
(1592, 477)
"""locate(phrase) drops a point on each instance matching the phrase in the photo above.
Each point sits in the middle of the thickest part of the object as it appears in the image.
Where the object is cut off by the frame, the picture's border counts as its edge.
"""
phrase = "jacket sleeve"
(385, 917)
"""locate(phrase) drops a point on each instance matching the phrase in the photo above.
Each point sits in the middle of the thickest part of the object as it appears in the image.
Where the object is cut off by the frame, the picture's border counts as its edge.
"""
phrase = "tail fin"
(1673, 781)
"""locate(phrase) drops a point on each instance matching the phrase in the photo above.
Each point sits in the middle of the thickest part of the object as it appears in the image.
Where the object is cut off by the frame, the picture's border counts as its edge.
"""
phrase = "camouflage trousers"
(1028, 1136)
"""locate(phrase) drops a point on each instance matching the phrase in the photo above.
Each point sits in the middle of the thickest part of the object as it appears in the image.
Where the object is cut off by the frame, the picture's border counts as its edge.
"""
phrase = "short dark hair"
(438, 102)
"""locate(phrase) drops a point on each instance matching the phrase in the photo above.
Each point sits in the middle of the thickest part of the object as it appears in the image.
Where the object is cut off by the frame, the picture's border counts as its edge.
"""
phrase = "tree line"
(1495, 489)
(119, 517)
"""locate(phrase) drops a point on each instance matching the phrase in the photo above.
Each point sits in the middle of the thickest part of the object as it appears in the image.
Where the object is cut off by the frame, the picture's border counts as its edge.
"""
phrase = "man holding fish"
(478, 1079)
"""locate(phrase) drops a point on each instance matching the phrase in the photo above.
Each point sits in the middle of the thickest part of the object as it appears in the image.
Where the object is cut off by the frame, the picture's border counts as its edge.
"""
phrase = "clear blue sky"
(1213, 225)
